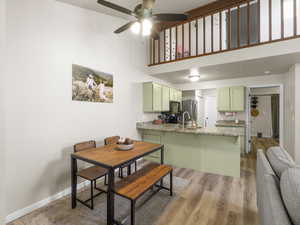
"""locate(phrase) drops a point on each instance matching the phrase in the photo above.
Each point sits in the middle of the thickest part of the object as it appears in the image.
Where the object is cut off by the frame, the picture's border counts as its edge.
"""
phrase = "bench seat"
(135, 185)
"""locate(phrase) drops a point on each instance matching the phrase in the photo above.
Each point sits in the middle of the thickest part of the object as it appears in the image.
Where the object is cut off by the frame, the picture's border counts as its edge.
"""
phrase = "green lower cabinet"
(205, 153)
(153, 138)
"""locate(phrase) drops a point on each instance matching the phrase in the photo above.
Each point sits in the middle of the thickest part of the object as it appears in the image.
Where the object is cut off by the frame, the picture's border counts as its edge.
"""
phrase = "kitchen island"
(212, 150)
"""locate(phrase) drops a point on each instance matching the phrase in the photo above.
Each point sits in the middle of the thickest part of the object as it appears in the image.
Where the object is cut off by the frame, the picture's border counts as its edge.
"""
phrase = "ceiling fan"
(144, 18)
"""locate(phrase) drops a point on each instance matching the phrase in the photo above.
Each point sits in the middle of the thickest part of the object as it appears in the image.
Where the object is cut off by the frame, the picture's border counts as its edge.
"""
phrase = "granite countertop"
(230, 123)
(216, 131)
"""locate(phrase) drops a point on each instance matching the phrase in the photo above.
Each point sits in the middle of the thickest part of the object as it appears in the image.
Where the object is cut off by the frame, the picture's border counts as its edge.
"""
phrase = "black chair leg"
(105, 180)
(92, 195)
(121, 169)
(171, 183)
(132, 212)
(135, 166)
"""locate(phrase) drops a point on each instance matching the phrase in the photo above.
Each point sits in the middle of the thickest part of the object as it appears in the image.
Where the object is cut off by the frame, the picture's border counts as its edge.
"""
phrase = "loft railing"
(250, 23)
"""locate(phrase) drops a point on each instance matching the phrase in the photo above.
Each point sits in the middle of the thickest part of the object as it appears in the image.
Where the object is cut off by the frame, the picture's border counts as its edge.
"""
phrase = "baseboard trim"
(22, 212)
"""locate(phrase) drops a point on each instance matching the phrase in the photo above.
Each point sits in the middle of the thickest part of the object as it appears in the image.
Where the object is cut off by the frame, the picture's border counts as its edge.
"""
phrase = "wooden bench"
(135, 185)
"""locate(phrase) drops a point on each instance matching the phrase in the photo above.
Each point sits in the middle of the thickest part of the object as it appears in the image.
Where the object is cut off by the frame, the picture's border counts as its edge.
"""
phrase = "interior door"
(210, 110)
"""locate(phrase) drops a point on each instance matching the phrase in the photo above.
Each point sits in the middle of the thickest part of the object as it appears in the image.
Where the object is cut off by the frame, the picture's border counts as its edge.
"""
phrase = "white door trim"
(281, 108)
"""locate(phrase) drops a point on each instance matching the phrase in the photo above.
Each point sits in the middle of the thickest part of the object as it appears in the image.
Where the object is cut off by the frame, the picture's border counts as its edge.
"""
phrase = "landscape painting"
(90, 85)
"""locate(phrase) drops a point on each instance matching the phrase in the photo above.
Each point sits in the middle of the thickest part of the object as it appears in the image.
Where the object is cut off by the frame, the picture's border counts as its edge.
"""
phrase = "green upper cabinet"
(152, 97)
(231, 99)
(172, 94)
(175, 95)
(224, 99)
(237, 99)
(165, 99)
(179, 96)
(157, 97)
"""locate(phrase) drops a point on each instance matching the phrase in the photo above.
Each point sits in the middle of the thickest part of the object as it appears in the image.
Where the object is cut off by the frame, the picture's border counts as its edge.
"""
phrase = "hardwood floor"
(215, 200)
(262, 143)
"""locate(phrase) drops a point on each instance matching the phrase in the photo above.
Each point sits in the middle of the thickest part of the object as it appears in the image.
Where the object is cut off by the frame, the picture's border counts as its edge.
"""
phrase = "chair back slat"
(84, 146)
(111, 140)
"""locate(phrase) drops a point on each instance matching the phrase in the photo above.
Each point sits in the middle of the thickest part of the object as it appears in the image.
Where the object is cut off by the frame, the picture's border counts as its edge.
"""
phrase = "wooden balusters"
(295, 17)
(220, 30)
(165, 49)
(204, 36)
(282, 18)
(176, 40)
(234, 20)
(258, 20)
(248, 22)
(182, 31)
(197, 37)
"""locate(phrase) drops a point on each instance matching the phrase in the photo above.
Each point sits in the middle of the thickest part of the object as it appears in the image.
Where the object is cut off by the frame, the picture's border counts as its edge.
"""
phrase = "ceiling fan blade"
(148, 4)
(155, 35)
(169, 17)
(155, 32)
(124, 27)
(116, 7)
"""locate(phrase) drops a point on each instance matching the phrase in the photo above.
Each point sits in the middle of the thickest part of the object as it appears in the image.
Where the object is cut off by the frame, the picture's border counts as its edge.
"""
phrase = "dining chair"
(114, 140)
(91, 174)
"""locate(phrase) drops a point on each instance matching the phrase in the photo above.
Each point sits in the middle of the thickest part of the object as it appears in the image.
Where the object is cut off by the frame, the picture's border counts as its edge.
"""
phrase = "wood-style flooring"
(215, 200)
(262, 143)
(208, 199)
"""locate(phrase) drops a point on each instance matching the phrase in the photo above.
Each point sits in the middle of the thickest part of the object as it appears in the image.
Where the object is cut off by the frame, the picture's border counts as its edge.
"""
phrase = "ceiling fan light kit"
(147, 27)
(145, 19)
(136, 28)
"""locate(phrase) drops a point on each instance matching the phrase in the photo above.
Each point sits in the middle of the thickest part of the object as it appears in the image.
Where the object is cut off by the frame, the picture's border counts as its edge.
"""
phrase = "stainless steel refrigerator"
(191, 106)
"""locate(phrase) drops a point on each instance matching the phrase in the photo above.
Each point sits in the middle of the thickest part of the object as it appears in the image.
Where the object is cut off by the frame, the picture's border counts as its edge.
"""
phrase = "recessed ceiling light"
(194, 78)
(194, 75)
(267, 72)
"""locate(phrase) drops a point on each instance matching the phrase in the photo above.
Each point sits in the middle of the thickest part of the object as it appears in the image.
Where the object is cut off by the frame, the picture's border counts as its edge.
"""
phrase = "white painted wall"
(44, 39)
(263, 122)
(292, 112)
(289, 115)
(2, 119)
(297, 113)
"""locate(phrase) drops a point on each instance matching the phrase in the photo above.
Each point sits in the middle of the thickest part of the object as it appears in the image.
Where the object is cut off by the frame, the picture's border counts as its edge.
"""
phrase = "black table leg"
(110, 198)
(73, 181)
(162, 150)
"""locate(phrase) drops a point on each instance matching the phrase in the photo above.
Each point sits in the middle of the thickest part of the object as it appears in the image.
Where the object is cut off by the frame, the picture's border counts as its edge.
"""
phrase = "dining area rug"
(60, 212)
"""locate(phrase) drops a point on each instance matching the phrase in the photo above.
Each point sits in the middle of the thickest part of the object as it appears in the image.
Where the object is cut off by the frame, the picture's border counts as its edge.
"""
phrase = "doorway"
(264, 118)
(210, 112)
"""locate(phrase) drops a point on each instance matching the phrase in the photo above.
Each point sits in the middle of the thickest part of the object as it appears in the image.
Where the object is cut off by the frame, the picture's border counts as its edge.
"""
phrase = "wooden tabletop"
(110, 157)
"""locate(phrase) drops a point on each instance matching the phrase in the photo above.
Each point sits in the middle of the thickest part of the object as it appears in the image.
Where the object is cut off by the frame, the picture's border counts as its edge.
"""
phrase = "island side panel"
(205, 153)
(222, 155)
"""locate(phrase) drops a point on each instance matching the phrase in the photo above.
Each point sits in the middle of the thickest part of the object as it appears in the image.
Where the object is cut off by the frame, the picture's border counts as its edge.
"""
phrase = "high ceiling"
(161, 6)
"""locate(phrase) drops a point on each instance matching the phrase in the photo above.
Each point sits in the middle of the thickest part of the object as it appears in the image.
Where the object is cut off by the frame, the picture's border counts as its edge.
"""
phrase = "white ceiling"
(161, 6)
(275, 64)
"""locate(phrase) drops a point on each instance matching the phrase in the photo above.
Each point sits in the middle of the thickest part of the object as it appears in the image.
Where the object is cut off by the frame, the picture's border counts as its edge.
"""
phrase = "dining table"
(111, 158)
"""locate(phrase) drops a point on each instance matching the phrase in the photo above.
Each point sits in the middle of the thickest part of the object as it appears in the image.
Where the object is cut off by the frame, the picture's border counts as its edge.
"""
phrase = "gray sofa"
(278, 188)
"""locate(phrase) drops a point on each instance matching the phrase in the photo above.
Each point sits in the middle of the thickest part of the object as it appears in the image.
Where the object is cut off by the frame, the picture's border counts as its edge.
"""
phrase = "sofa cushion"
(290, 191)
(280, 160)
(263, 168)
(273, 210)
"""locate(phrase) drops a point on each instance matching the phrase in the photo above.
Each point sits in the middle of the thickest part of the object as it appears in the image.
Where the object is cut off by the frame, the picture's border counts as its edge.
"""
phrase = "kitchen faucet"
(189, 117)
